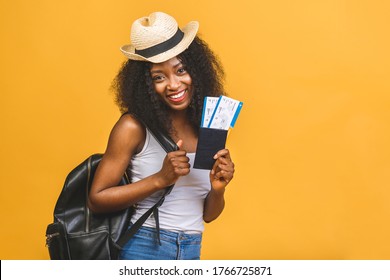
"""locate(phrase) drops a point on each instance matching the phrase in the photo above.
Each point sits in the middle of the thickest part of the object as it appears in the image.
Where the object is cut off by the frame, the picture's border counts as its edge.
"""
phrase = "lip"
(178, 96)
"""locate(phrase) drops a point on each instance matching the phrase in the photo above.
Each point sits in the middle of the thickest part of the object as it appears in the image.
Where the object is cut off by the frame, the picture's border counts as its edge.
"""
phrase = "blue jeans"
(174, 246)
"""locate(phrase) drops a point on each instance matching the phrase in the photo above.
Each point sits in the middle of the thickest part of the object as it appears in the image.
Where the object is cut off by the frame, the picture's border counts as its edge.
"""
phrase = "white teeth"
(178, 95)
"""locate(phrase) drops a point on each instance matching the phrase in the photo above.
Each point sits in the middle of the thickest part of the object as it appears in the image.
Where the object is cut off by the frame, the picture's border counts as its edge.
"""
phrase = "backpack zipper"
(49, 237)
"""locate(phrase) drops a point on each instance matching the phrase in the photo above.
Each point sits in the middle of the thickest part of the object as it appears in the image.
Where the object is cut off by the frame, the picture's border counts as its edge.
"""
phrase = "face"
(172, 83)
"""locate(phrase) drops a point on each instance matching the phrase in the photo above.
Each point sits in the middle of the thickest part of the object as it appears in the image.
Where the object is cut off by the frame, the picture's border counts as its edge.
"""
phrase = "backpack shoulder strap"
(169, 146)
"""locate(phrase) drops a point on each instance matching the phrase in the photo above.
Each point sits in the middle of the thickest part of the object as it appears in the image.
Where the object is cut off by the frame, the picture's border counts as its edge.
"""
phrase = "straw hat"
(157, 38)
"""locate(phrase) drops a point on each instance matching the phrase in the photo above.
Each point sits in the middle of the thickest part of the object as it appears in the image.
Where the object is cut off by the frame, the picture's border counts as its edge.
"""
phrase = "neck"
(180, 121)
(179, 118)
(183, 130)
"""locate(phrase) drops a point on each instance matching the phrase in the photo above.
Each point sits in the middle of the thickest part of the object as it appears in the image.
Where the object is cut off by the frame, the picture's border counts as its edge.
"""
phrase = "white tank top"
(182, 209)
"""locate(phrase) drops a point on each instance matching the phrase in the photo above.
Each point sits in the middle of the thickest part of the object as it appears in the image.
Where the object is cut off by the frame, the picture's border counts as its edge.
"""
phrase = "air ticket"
(224, 114)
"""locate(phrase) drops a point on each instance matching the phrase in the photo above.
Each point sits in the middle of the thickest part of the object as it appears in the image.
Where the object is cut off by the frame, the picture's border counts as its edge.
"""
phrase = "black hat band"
(162, 47)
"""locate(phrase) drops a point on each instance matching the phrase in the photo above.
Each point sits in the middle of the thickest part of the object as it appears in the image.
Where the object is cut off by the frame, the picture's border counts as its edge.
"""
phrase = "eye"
(157, 78)
(182, 70)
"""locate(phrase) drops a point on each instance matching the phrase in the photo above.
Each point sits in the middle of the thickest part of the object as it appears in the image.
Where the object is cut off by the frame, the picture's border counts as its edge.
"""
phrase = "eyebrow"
(160, 71)
(177, 64)
(155, 71)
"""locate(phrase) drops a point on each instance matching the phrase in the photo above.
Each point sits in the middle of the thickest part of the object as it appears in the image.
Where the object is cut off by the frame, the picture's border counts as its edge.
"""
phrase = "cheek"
(159, 88)
(188, 80)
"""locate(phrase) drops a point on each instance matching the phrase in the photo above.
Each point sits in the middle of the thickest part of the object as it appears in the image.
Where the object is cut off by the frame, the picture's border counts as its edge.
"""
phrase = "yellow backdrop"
(311, 146)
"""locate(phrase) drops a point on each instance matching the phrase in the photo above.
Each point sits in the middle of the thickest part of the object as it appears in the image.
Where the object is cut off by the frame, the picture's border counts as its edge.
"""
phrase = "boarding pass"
(220, 112)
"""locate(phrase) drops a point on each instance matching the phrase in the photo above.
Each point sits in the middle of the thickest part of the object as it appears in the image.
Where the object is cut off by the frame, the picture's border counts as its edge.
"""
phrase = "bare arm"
(126, 139)
(220, 176)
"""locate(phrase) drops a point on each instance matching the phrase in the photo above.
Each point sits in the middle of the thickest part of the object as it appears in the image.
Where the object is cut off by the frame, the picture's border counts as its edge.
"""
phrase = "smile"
(178, 97)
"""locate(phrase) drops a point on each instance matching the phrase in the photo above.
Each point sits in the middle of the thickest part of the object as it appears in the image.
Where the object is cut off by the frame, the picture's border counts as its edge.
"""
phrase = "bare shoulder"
(128, 123)
(127, 135)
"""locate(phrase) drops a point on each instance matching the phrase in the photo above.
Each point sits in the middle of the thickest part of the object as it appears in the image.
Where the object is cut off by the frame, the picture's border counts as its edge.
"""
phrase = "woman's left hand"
(222, 172)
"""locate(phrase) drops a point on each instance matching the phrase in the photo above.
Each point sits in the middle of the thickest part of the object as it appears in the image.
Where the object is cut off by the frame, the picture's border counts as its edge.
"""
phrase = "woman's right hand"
(175, 164)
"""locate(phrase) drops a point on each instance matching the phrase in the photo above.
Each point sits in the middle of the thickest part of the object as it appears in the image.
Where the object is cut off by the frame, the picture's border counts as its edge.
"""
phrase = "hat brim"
(189, 31)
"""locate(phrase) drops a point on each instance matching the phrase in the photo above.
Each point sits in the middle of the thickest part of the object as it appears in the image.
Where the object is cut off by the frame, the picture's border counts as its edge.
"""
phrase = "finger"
(223, 165)
(214, 168)
(225, 161)
(226, 168)
(224, 175)
(222, 161)
(175, 154)
(182, 164)
(182, 172)
(222, 153)
(179, 144)
(182, 168)
(180, 159)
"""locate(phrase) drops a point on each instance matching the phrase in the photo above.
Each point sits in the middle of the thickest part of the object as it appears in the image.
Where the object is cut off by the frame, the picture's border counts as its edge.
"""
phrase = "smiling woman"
(163, 83)
(173, 83)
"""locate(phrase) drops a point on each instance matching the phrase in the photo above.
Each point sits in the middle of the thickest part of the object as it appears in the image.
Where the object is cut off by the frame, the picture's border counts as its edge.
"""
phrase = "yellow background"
(311, 145)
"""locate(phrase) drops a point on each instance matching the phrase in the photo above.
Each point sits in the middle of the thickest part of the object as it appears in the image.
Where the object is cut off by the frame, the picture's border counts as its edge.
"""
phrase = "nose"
(174, 82)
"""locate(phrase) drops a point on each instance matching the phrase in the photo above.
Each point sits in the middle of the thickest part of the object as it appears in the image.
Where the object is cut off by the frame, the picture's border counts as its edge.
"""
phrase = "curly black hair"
(135, 92)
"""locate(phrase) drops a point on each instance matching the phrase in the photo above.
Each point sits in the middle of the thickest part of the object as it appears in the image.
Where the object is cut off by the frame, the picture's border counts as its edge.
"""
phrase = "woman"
(168, 73)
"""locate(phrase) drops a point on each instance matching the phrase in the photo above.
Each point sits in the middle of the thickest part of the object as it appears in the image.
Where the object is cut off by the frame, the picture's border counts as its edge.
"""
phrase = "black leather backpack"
(79, 234)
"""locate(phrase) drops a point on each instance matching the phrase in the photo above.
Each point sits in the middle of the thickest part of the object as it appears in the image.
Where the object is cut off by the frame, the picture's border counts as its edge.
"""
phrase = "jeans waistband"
(173, 235)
